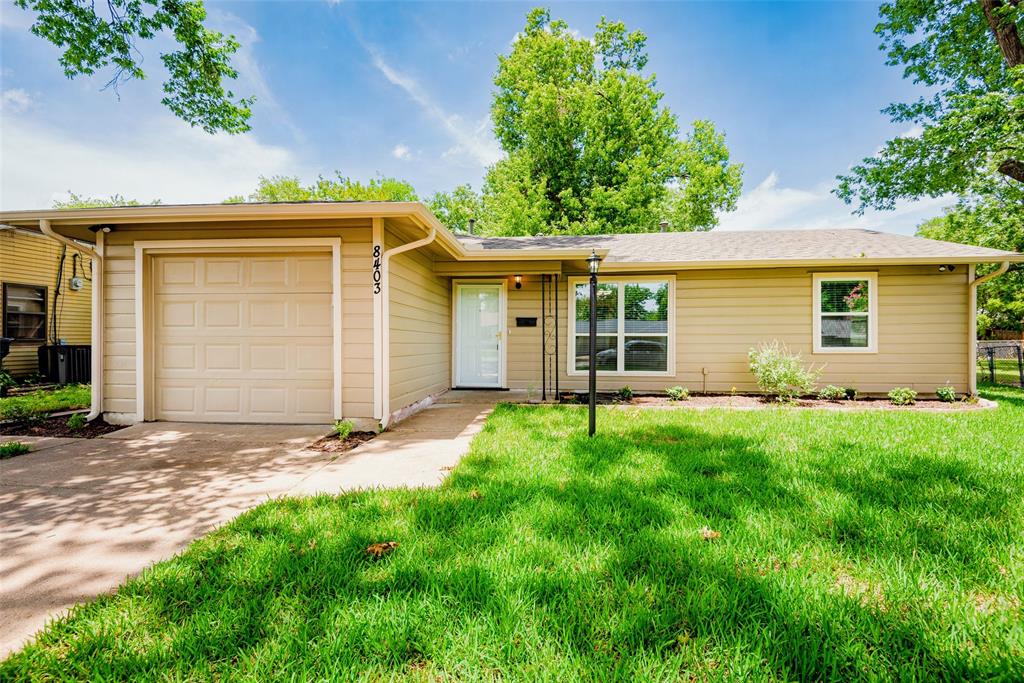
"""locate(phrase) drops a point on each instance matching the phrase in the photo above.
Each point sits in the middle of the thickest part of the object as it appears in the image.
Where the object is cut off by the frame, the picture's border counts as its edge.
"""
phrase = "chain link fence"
(1001, 362)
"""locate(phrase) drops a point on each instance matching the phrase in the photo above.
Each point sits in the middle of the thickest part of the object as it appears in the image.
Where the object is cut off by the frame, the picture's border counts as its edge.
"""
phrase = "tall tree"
(95, 36)
(969, 52)
(337, 189)
(590, 147)
(992, 218)
(457, 208)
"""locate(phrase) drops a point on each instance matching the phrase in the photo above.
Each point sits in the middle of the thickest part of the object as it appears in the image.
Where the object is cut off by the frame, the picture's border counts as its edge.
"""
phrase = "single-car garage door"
(242, 338)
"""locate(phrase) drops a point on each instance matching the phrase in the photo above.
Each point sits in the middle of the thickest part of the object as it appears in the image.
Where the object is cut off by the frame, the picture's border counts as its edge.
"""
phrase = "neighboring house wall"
(720, 314)
(357, 313)
(421, 332)
(28, 259)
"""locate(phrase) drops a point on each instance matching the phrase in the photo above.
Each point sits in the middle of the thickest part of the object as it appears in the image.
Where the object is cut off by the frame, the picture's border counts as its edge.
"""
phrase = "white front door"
(479, 335)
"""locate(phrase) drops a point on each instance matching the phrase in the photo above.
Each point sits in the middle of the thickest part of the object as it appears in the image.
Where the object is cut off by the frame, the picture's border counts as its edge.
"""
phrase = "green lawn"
(46, 401)
(885, 545)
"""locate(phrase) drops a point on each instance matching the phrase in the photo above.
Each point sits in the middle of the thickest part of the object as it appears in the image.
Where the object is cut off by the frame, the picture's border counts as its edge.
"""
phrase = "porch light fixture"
(593, 262)
(947, 269)
(519, 281)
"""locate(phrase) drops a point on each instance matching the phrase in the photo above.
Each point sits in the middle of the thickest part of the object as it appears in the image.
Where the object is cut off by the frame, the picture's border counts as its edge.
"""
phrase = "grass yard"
(1007, 371)
(782, 544)
(45, 401)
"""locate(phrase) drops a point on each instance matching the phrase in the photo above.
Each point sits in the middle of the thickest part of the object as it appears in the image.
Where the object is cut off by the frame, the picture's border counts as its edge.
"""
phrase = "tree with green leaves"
(970, 53)
(457, 208)
(994, 219)
(590, 147)
(337, 189)
(77, 201)
(95, 36)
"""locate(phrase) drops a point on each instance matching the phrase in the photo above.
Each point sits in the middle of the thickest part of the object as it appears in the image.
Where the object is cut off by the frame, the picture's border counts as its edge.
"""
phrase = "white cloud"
(15, 100)
(15, 18)
(772, 207)
(250, 75)
(472, 141)
(166, 159)
(401, 152)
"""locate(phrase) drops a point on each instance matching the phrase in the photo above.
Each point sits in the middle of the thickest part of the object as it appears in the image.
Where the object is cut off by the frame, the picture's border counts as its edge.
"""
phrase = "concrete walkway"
(79, 516)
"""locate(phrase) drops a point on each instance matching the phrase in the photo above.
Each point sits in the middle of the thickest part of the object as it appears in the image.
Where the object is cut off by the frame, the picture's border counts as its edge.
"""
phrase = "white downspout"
(96, 354)
(385, 331)
(972, 328)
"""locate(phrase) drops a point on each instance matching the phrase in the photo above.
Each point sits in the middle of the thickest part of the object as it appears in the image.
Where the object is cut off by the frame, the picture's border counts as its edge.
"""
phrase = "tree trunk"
(1013, 168)
(1005, 32)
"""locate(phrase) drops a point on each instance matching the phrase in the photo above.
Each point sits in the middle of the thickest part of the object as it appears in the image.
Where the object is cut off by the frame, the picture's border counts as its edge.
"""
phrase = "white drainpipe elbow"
(385, 345)
(96, 353)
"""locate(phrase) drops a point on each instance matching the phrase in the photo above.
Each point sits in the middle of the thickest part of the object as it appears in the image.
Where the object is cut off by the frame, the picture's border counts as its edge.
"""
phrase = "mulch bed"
(58, 426)
(332, 444)
(753, 402)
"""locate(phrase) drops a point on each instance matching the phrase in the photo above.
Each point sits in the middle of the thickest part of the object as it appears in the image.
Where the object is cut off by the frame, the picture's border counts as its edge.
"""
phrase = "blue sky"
(404, 90)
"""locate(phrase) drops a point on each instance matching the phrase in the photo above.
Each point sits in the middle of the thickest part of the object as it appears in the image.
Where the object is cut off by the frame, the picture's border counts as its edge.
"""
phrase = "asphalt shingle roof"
(718, 246)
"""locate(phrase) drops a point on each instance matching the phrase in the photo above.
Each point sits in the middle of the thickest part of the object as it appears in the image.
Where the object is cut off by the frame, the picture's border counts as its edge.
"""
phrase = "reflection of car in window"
(637, 349)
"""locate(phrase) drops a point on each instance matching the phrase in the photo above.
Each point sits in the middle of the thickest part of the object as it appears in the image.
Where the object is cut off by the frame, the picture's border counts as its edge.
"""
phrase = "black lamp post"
(593, 261)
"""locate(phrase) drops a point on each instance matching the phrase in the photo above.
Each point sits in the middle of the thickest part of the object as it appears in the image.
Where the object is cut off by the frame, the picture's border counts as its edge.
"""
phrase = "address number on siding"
(376, 269)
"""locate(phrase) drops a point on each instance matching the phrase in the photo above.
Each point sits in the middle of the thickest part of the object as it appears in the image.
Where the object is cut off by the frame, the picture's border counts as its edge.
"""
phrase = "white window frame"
(620, 335)
(871, 315)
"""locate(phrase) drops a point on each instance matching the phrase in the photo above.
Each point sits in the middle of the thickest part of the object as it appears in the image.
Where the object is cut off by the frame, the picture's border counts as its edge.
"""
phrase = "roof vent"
(469, 226)
(664, 226)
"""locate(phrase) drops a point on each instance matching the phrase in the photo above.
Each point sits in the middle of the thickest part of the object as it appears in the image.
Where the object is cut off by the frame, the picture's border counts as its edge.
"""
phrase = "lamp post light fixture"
(593, 261)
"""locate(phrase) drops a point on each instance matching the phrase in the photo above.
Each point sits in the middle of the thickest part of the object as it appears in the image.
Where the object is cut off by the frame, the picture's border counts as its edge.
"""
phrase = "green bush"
(76, 422)
(13, 448)
(832, 393)
(678, 393)
(6, 380)
(780, 373)
(902, 396)
(625, 393)
(342, 428)
(851, 394)
(946, 393)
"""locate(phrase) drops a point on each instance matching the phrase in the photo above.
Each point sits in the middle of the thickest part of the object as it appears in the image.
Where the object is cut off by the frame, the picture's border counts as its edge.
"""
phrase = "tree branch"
(1005, 32)
(1012, 168)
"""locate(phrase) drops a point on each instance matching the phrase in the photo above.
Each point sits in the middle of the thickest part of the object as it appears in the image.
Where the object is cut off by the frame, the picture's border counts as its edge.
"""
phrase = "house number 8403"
(376, 269)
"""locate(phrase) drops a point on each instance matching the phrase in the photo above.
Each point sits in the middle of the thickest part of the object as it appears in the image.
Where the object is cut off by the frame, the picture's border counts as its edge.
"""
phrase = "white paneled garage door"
(242, 338)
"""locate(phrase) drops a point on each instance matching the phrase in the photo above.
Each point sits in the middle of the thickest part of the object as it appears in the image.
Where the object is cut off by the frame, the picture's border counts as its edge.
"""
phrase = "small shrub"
(76, 422)
(946, 394)
(832, 393)
(19, 413)
(342, 428)
(625, 393)
(902, 396)
(6, 380)
(780, 373)
(678, 393)
(851, 394)
(13, 448)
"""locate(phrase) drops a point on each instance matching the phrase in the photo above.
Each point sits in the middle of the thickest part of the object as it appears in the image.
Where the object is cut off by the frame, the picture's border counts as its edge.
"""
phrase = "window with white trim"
(634, 326)
(845, 312)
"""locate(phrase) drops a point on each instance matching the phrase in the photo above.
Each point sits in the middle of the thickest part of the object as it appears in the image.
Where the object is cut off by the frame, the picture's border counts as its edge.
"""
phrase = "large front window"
(633, 326)
(845, 312)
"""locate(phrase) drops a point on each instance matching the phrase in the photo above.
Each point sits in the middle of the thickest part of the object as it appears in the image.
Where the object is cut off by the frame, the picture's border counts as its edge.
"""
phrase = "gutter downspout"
(96, 355)
(385, 329)
(972, 329)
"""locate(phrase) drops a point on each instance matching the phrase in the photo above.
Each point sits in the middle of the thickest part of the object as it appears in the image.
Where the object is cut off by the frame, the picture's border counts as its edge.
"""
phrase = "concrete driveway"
(77, 517)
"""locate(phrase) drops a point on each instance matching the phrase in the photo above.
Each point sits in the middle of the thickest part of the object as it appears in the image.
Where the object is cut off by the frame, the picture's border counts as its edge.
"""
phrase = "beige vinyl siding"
(34, 260)
(357, 313)
(420, 332)
(720, 314)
